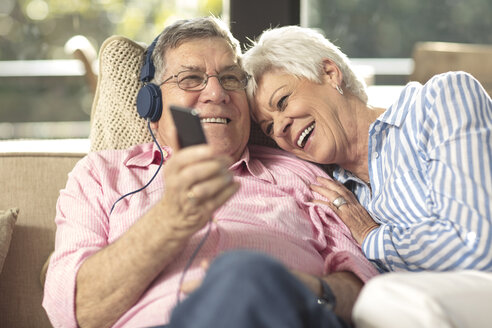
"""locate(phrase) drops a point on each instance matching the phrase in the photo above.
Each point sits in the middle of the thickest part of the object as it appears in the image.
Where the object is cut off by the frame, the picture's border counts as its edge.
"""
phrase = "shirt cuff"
(373, 246)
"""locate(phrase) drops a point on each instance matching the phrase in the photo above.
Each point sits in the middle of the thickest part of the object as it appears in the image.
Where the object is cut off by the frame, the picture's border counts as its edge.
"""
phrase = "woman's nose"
(281, 126)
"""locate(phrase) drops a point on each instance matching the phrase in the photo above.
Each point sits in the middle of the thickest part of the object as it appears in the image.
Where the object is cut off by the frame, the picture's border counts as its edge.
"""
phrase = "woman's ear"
(331, 73)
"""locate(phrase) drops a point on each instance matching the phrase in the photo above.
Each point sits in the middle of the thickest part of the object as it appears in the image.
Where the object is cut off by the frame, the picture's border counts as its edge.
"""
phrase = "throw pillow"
(115, 123)
(7, 223)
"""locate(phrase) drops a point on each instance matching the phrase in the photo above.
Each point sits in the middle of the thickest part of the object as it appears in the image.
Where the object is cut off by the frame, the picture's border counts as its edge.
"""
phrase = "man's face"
(224, 114)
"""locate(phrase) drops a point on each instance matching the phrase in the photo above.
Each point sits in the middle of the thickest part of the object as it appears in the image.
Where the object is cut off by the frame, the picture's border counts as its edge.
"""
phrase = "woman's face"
(302, 117)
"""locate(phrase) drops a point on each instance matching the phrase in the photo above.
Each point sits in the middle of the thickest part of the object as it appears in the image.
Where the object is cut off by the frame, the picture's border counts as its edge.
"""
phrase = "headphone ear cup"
(149, 102)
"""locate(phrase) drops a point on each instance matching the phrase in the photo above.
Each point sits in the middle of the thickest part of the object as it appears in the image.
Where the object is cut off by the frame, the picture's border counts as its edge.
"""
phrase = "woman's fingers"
(335, 187)
(324, 191)
(344, 203)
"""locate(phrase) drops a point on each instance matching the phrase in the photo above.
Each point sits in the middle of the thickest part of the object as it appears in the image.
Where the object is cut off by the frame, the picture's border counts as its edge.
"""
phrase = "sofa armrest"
(31, 182)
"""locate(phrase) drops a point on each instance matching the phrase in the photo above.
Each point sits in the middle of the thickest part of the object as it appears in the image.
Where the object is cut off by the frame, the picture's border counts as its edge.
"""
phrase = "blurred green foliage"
(38, 29)
(390, 28)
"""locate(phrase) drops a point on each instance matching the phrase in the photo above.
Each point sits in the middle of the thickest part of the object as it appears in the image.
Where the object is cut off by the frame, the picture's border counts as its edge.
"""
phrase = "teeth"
(219, 120)
(304, 134)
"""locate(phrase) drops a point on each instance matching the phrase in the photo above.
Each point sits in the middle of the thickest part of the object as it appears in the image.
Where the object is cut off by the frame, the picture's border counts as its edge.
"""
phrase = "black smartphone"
(187, 122)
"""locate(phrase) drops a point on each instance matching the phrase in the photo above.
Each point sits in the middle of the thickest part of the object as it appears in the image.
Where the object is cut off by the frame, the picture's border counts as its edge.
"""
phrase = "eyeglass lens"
(197, 80)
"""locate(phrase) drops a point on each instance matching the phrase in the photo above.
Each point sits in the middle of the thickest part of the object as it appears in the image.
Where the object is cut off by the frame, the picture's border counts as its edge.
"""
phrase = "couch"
(31, 181)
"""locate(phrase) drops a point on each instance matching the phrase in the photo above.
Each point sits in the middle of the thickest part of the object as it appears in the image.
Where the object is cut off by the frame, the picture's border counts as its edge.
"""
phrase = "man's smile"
(216, 120)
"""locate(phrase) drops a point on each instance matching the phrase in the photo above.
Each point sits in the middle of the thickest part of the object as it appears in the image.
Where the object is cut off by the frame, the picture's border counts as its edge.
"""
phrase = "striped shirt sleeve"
(448, 194)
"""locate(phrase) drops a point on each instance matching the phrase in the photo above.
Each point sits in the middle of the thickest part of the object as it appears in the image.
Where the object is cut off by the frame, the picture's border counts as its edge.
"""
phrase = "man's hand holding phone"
(197, 180)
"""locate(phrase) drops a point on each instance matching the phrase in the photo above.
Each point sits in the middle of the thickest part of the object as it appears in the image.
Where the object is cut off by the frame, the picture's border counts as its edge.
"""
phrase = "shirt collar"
(343, 176)
(254, 166)
(146, 154)
(396, 113)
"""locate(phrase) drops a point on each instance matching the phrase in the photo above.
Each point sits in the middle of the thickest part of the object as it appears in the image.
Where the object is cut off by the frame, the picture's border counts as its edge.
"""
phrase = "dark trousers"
(244, 289)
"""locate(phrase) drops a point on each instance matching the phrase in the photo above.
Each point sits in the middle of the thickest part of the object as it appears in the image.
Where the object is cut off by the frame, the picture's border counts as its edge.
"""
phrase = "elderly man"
(128, 267)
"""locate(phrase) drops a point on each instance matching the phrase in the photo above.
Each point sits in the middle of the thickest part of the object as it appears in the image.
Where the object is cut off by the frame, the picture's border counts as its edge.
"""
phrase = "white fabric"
(426, 299)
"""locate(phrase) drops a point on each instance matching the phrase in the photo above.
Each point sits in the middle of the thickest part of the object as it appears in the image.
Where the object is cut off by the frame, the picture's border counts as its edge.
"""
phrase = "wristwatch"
(327, 297)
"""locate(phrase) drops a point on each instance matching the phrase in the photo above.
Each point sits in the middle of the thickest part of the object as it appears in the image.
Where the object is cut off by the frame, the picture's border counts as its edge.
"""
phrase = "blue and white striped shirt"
(430, 167)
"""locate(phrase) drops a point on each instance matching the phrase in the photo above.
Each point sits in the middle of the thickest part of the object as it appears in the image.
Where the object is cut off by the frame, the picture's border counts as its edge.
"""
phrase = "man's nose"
(214, 91)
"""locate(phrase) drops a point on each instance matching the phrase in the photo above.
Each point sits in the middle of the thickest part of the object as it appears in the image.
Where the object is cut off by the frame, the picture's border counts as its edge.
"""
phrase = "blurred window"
(390, 28)
(43, 90)
(52, 98)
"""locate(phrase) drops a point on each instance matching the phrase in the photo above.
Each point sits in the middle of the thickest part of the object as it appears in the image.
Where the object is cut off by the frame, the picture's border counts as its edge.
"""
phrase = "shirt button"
(376, 155)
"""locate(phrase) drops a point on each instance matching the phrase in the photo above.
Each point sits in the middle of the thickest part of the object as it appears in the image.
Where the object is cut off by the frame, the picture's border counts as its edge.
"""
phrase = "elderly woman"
(413, 182)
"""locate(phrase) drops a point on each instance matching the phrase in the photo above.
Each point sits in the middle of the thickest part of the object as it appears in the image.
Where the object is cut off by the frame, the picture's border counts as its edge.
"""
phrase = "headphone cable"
(153, 177)
(190, 261)
(202, 241)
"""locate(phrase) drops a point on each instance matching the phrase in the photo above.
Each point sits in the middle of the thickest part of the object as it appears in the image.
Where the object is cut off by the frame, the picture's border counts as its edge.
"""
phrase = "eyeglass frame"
(204, 84)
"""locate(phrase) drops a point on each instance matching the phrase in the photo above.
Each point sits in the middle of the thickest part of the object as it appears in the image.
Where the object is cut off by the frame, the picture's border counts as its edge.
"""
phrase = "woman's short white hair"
(299, 51)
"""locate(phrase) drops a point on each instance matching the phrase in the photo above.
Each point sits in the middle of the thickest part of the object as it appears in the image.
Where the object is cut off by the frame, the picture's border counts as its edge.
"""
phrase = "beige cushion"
(115, 123)
(7, 223)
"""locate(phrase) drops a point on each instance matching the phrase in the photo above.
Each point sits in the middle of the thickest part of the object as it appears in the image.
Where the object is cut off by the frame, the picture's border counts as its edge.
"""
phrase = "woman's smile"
(305, 135)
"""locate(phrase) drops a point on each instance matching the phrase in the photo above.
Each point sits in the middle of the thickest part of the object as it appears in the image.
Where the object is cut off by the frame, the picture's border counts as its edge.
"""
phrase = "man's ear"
(154, 126)
(331, 73)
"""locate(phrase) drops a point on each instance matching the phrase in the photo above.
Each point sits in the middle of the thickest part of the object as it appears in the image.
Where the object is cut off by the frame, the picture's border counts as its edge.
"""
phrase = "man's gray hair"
(186, 30)
(299, 51)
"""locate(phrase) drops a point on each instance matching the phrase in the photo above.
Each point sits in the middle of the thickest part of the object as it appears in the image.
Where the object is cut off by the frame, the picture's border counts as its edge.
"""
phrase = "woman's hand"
(346, 206)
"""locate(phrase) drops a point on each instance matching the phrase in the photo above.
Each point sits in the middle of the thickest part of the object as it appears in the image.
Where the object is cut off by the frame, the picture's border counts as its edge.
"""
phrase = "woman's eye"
(268, 129)
(282, 102)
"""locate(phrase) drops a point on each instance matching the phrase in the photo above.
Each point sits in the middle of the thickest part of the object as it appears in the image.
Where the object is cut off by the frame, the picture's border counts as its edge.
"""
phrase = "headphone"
(149, 97)
(149, 107)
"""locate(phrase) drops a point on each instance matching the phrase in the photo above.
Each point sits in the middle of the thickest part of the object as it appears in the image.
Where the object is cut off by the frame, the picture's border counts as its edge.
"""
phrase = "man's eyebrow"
(273, 94)
(198, 68)
(191, 68)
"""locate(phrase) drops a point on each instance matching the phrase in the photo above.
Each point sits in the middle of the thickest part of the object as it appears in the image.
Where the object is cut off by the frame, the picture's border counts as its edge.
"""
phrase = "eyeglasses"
(194, 80)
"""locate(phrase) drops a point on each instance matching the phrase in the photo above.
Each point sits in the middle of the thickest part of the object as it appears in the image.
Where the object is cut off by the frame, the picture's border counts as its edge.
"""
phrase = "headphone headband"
(148, 68)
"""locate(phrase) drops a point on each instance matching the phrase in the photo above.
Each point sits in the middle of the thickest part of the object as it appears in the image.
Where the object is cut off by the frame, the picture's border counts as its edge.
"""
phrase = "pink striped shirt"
(272, 213)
